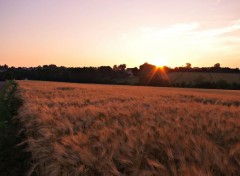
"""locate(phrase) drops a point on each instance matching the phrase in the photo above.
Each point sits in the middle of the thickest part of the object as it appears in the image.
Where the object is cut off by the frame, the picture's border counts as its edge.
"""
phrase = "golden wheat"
(88, 129)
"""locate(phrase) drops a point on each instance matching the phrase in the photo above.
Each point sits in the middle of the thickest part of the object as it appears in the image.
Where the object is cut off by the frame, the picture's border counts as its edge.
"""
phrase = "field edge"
(14, 158)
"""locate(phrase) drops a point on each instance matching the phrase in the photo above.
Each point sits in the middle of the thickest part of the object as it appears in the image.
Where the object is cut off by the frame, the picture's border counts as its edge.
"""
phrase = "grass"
(13, 161)
(87, 129)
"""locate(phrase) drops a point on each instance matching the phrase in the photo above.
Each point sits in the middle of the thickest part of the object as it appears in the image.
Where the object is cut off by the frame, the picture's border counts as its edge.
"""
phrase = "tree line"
(147, 74)
(103, 74)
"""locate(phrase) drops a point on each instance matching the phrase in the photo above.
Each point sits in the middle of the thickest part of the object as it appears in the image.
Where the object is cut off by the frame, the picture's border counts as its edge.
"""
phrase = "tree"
(217, 65)
(52, 66)
(122, 67)
(146, 67)
(105, 69)
(115, 67)
(135, 71)
(188, 65)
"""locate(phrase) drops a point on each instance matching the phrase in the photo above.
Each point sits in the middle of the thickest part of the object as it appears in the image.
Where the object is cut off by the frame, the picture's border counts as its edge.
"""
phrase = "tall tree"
(122, 67)
(217, 65)
(188, 65)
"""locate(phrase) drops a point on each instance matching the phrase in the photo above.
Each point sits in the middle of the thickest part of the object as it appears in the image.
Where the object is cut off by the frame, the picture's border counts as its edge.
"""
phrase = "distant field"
(192, 78)
(187, 77)
(88, 129)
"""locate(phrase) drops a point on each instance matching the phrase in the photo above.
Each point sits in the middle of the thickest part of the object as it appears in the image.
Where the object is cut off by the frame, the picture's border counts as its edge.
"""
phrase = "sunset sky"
(107, 32)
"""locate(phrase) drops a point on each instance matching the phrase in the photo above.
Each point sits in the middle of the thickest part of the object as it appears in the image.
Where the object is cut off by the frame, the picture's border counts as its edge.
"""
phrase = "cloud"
(179, 29)
(220, 31)
(182, 39)
(189, 30)
(174, 30)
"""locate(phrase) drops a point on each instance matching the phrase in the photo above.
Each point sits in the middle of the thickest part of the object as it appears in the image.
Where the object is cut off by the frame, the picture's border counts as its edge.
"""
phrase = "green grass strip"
(13, 160)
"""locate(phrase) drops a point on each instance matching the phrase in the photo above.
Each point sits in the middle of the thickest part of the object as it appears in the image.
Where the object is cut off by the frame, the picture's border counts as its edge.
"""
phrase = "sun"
(159, 62)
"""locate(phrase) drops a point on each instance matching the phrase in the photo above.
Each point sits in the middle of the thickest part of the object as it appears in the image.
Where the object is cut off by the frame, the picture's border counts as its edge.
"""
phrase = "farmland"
(194, 77)
(87, 129)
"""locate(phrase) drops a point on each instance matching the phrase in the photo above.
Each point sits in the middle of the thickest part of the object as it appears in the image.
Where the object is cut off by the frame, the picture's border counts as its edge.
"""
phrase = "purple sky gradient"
(108, 32)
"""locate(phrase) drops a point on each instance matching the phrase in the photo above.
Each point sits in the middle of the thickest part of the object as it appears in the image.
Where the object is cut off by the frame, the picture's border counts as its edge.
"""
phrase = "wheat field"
(88, 129)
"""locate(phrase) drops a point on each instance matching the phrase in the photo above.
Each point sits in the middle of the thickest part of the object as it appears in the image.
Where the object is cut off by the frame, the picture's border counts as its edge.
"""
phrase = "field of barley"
(89, 129)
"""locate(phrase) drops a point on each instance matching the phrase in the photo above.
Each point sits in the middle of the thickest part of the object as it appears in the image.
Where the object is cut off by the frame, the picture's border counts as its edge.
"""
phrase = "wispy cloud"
(174, 30)
(220, 31)
(190, 29)
(180, 41)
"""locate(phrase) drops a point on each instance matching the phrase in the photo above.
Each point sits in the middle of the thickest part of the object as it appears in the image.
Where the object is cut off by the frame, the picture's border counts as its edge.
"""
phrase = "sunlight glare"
(159, 62)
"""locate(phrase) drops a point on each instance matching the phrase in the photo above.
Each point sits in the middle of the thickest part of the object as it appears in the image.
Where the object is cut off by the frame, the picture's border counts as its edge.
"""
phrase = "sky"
(76, 33)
